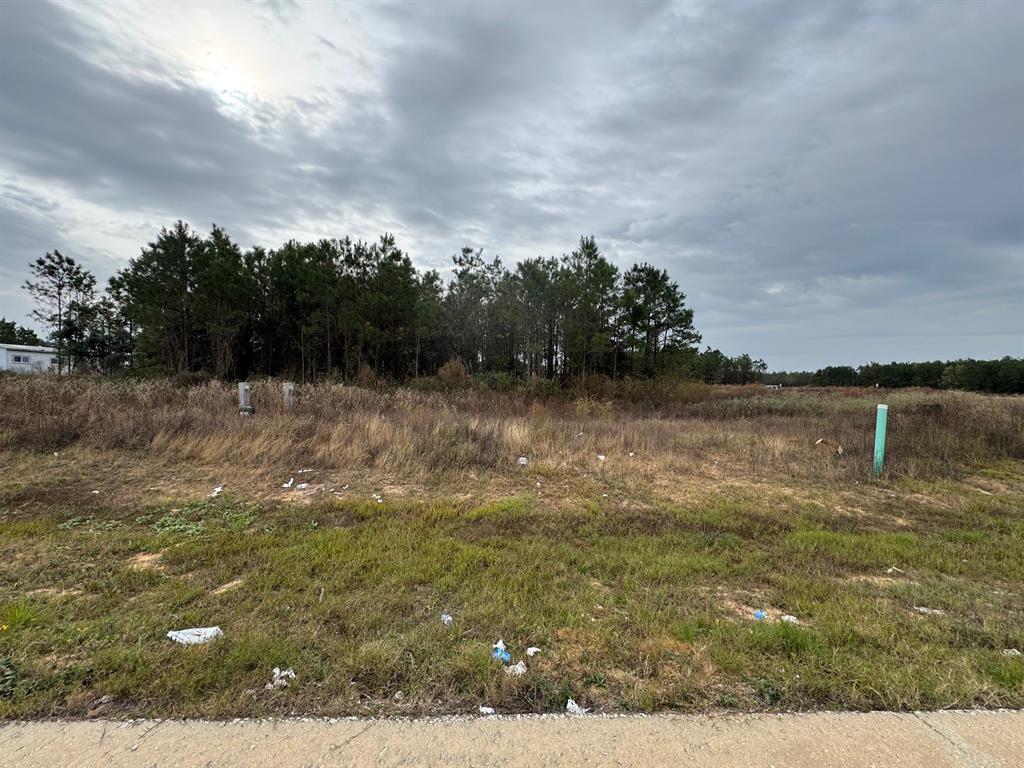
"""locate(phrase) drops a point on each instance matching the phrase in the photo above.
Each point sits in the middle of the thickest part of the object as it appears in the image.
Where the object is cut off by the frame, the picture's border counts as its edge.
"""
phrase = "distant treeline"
(12, 333)
(352, 309)
(1002, 376)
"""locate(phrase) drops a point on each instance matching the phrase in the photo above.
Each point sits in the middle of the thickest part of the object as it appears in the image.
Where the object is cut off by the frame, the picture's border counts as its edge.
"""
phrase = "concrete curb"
(971, 739)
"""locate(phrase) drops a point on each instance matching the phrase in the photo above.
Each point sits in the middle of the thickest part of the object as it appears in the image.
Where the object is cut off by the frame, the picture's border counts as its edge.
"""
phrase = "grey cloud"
(325, 42)
(828, 181)
(283, 11)
(115, 138)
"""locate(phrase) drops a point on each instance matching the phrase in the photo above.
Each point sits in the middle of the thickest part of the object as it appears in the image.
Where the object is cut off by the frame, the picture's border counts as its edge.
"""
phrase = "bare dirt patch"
(54, 592)
(233, 584)
(877, 581)
(146, 561)
(742, 606)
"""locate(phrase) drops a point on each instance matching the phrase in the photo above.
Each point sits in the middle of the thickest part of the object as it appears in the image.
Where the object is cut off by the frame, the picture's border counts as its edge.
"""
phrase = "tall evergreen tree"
(59, 285)
(158, 288)
(589, 284)
(656, 319)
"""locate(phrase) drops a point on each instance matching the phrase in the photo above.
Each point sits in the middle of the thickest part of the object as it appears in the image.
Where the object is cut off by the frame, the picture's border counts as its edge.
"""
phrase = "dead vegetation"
(710, 434)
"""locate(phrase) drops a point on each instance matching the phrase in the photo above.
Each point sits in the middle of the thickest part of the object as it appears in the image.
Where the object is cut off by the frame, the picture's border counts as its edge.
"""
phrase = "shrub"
(453, 374)
(496, 382)
(365, 376)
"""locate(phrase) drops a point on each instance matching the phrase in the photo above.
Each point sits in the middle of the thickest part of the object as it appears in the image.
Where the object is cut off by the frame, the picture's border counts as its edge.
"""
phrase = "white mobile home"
(26, 359)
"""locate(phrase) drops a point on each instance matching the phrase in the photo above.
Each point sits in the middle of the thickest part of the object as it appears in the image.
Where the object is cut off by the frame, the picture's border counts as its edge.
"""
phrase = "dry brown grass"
(95, 446)
(730, 433)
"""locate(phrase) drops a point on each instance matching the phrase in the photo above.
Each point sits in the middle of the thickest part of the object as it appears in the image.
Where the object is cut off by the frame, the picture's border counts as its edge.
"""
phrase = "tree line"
(12, 333)
(349, 308)
(1005, 375)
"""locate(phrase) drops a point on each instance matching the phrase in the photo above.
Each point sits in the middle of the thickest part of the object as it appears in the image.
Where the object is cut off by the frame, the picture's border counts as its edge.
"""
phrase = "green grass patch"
(634, 609)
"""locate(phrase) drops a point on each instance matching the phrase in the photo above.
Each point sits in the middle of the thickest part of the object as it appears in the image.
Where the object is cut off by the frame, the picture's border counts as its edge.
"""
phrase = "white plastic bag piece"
(523, 461)
(195, 636)
(289, 483)
(446, 619)
(516, 670)
(532, 650)
(216, 492)
(575, 709)
(280, 678)
(789, 619)
(486, 710)
(301, 486)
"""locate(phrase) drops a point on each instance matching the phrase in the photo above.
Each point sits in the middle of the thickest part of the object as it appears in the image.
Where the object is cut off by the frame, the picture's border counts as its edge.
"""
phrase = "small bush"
(365, 376)
(453, 374)
(496, 382)
(587, 407)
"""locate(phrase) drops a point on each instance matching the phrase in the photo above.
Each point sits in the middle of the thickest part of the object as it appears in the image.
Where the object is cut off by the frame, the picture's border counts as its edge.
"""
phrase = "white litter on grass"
(499, 646)
(532, 651)
(575, 709)
(1012, 653)
(523, 461)
(280, 679)
(893, 570)
(987, 493)
(216, 492)
(289, 483)
(399, 696)
(631, 454)
(301, 486)
(195, 636)
(95, 491)
(344, 487)
(600, 457)
(516, 670)
(486, 710)
(446, 619)
(303, 471)
(929, 611)
(377, 497)
(789, 619)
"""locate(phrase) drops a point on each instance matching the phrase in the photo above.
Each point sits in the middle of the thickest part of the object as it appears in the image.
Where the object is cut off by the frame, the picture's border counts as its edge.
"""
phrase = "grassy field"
(633, 548)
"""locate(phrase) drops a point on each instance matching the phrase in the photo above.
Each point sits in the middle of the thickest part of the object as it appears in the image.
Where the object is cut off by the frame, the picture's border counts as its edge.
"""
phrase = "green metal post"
(880, 419)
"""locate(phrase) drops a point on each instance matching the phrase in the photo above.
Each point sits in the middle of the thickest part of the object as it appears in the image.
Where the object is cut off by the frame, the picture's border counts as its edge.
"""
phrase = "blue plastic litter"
(500, 654)
(760, 615)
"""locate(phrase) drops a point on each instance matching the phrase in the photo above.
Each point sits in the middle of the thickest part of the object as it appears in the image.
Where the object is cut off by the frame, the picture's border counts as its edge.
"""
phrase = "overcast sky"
(829, 182)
